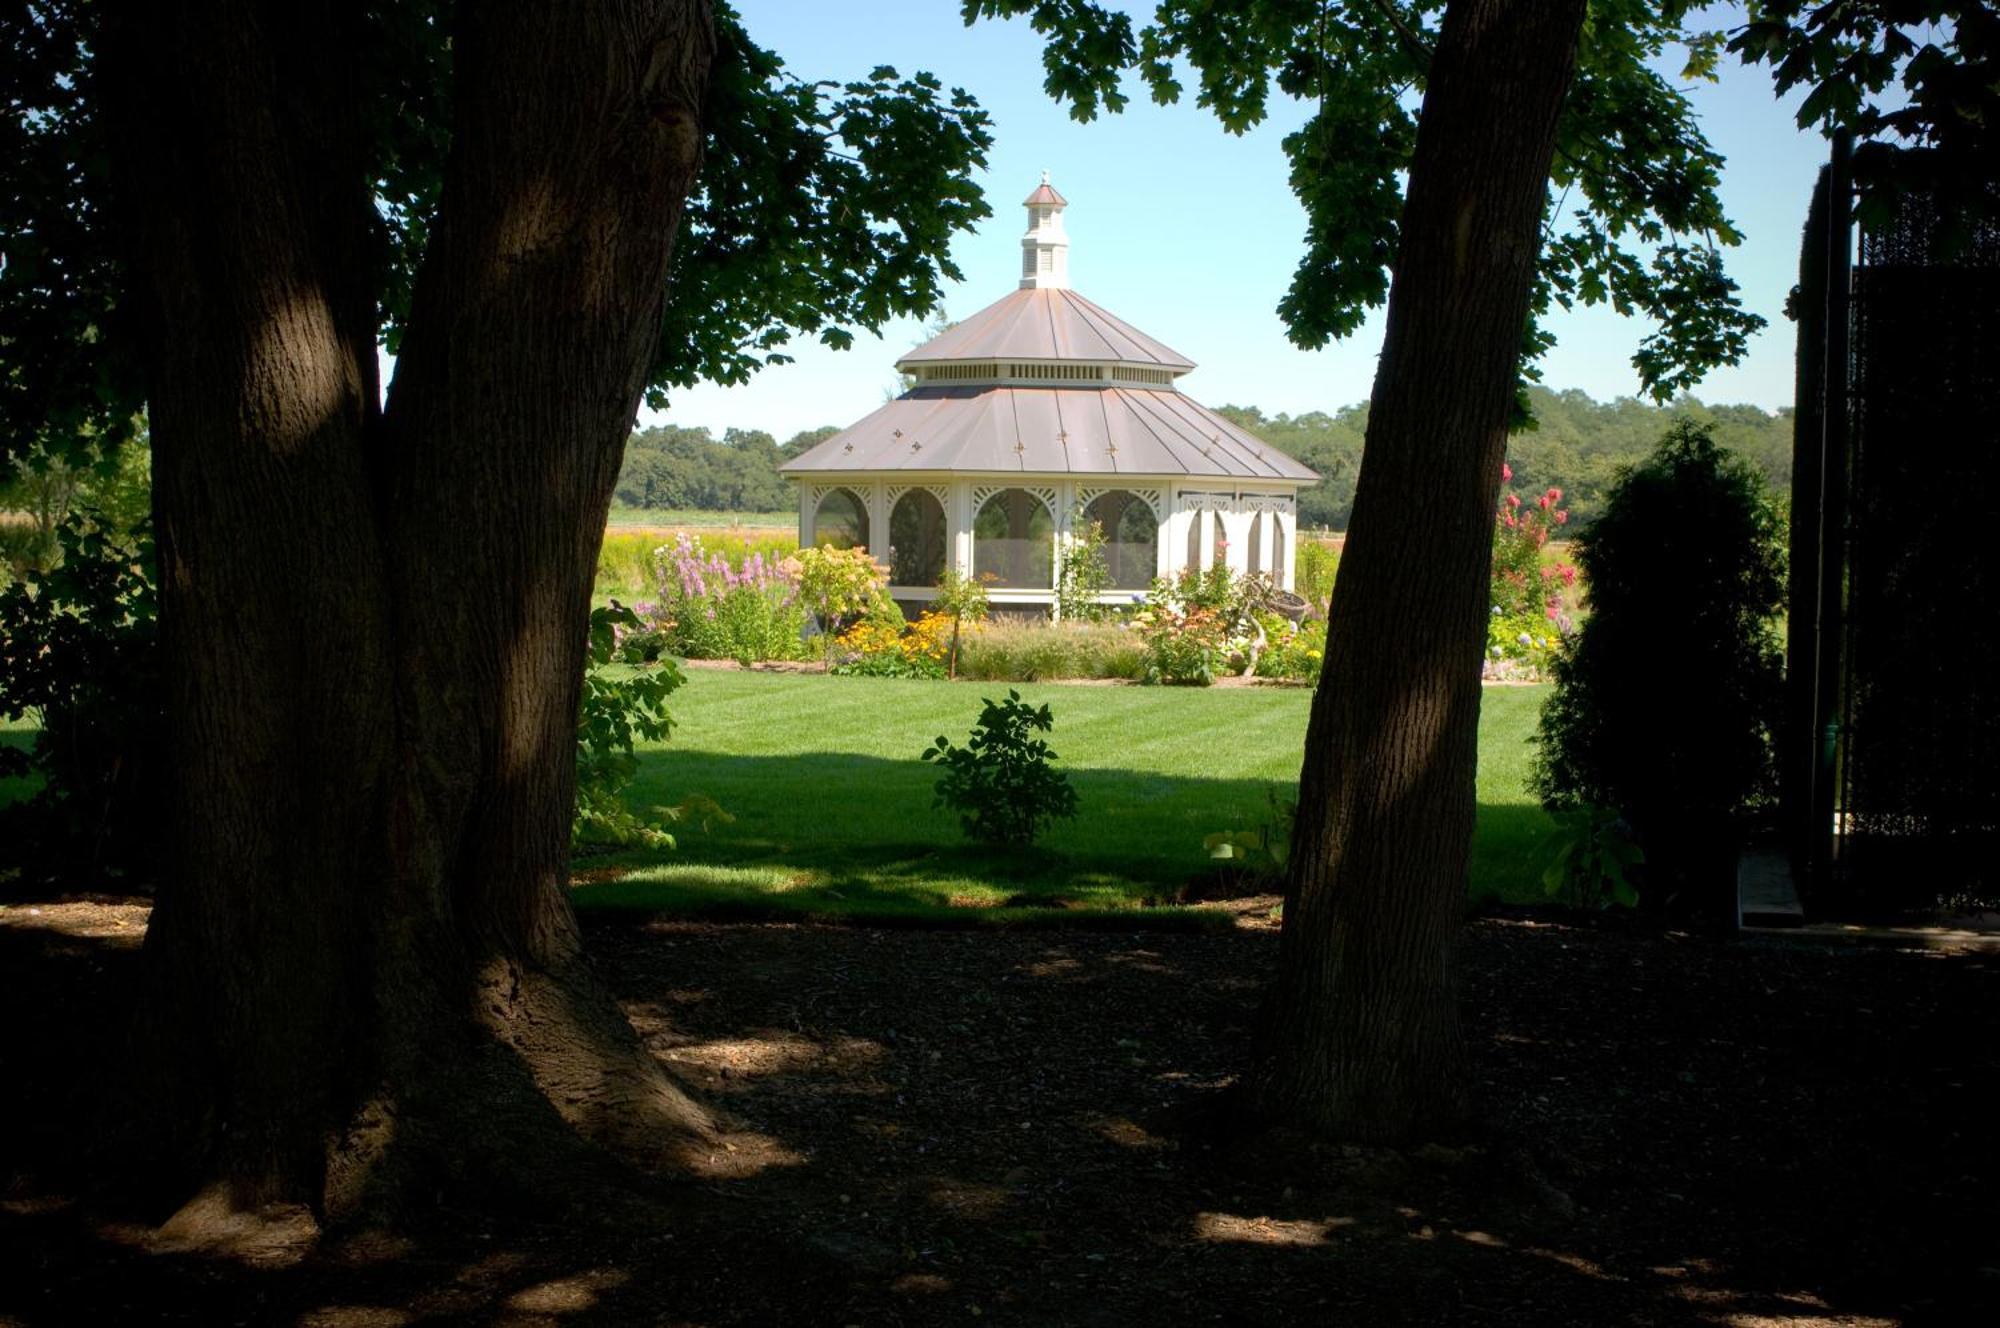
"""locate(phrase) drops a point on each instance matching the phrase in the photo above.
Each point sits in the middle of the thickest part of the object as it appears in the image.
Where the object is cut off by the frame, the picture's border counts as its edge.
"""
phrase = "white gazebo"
(1038, 413)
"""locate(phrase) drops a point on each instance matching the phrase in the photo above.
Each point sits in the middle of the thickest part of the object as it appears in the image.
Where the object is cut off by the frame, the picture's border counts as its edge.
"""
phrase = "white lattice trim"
(1267, 502)
(1207, 502)
(895, 494)
(860, 491)
(1152, 498)
(982, 492)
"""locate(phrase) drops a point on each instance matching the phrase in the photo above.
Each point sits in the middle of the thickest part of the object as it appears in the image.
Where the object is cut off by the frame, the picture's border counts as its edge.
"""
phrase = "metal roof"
(1050, 430)
(1047, 324)
(1045, 195)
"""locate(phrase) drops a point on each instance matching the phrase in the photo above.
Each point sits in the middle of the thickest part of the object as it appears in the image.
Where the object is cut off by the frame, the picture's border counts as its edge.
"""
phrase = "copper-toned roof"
(1050, 430)
(1045, 193)
(1047, 324)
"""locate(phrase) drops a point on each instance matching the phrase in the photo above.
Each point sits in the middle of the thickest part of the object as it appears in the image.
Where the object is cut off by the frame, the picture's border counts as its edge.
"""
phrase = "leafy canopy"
(1911, 73)
(822, 207)
(1633, 218)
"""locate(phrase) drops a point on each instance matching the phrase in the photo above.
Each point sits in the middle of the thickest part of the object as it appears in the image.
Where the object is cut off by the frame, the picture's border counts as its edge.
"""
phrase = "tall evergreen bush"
(1666, 699)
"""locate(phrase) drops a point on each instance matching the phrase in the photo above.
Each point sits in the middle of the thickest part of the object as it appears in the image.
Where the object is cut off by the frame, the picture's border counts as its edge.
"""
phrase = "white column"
(1236, 530)
(958, 516)
(878, 521)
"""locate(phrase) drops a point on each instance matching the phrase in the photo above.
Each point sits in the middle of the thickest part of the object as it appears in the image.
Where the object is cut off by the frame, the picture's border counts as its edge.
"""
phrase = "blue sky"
(1192, 235)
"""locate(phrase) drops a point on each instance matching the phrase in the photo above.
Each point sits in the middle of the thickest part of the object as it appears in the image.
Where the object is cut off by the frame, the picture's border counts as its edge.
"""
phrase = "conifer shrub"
(1666, 698)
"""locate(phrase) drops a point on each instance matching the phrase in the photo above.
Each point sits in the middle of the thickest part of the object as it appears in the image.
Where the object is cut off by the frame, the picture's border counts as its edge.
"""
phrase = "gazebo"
(1036, 415)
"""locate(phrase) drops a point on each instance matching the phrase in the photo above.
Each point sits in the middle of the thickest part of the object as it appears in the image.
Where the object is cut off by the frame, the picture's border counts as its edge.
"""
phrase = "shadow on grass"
(840, 836)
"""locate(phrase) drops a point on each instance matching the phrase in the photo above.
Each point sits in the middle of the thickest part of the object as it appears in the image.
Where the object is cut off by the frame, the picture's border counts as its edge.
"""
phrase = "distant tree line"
(1577, 445)
(673, 467)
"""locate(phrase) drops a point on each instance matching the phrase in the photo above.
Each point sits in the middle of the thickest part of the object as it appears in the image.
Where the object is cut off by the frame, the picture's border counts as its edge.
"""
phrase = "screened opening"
(916, 540)
(1257, 543)
(1131, 538)
(1195, 519)
(1279, 562)
(842, 521)
(1013, 542)
(1221, 542)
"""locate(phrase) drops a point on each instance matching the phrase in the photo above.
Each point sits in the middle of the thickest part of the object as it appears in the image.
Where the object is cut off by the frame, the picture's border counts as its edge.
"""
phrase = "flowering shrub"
(837, 584)
(1186, 629)
(1293, 650)
(871, 649)
(1529, 594)
(1200, 624)
(710, 610)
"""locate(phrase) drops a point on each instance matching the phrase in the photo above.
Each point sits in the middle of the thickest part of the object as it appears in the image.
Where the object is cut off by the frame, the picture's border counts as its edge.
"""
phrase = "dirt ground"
(998, 1128)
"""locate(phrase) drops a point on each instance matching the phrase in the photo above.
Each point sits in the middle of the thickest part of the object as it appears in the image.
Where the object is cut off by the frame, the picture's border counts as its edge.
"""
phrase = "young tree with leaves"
(366, 973)
(1547, 164)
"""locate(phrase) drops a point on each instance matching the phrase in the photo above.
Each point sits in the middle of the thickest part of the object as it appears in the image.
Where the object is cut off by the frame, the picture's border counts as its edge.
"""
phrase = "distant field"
(666, 518)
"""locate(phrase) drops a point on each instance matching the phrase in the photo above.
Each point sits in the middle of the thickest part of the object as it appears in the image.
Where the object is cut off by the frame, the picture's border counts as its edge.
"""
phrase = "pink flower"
(1506, 472)
(1562, 518)
(1513, 500)
(1554, 494)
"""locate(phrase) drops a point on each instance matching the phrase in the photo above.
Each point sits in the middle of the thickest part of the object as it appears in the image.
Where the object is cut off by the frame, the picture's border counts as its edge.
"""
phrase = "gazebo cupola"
(1045, 248)
(1036, 415)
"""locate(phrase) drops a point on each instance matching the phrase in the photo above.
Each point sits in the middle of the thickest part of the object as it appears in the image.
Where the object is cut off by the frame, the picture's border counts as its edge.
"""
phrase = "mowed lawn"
(832, 807)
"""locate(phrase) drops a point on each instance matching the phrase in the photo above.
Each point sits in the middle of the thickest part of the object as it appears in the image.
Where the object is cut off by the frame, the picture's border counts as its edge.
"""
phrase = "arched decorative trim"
(941, 492)
(863, 497)
(1045, 492)
(1267, 502)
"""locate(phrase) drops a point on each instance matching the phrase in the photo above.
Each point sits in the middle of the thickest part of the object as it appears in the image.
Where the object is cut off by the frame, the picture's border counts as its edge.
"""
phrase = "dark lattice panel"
(1920, 766)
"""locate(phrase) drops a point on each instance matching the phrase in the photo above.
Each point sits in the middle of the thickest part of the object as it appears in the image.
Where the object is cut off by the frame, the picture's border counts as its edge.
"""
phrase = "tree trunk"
(374, 622)
(1362, 1038)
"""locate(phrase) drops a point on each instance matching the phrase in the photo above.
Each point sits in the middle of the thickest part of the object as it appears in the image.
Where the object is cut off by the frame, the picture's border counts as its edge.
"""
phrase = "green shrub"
(1082, 574)
(79, 653)
(1002, 783)
(964, 599)
(618, 708)
(1666, 698)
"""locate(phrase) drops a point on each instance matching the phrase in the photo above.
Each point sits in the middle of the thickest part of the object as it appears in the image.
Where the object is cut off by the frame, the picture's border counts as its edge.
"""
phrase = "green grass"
(833, 809)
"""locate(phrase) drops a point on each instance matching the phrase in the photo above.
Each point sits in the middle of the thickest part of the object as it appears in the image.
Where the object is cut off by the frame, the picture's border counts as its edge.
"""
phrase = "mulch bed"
(997, 1128)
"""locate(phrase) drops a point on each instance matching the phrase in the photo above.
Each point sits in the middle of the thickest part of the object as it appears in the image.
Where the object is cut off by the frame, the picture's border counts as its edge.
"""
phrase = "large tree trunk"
(374, 623)
(1362, 1038)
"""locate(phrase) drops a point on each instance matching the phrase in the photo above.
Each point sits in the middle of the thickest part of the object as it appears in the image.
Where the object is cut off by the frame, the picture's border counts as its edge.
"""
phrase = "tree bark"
(374, 622)
(1362, 1038)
